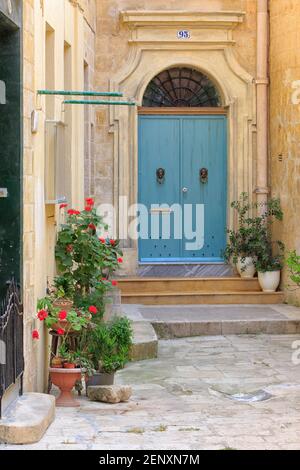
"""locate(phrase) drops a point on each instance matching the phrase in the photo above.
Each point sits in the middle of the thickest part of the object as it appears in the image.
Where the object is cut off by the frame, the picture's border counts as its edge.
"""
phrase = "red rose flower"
(69, 248)
(42, 315)
(63, 206)
(92, 227)
(93, 310)
(35, 334)
(60, 331)
(114, 283)
(88, 209)
(62, 315)
(90, 201)
(120, 260)
(102, 240)
(112, 242)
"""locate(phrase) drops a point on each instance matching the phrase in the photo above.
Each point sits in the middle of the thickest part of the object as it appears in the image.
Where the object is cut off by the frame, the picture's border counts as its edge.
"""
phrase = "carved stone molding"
(210, 28)
(210, 49)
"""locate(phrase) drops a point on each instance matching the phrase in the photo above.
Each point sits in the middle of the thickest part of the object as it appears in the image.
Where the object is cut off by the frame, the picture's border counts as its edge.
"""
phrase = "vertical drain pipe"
(262, 84)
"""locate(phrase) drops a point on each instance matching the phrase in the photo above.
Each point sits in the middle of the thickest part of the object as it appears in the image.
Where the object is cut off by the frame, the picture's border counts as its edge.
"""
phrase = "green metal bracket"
(110, 103)
(77, 93)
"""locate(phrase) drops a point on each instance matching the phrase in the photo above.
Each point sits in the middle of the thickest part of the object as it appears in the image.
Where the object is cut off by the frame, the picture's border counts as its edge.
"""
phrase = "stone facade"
(98, 47)
(72, 26)
(285, 122)
(135, 41)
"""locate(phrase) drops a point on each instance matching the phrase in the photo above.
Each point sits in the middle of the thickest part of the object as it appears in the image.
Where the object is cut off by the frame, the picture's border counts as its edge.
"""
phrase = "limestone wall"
(73, 23)
(285, 121)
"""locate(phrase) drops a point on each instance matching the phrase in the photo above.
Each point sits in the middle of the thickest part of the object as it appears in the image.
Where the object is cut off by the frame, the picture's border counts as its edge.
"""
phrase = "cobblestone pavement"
(184, 400)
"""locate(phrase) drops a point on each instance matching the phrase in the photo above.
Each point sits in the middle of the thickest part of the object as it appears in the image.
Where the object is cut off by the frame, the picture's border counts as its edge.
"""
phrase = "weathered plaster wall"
(285, 121)
(73, 22)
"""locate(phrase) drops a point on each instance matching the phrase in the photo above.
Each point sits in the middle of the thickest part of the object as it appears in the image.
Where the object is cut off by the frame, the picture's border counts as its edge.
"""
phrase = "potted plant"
(109, 347)
(253, 235)
(65, 368)
(74, 305)
(269, 271)
(239, 249)
(270, 253)
(86, 261)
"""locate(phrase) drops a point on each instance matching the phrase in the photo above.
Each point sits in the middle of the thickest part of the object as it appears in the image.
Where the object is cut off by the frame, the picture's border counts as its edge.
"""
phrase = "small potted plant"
(239, 250)
(65, 369)
(109, 347)
(269, 271)
(270, 253)
(252, 235)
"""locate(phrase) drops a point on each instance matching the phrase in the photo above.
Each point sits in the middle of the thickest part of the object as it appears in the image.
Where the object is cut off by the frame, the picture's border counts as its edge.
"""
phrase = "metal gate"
(11, 340)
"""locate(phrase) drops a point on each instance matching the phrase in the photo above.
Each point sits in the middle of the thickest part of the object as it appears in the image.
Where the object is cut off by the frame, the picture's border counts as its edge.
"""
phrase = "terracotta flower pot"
(63, 304)
(69, 365)
(65, 380)
(56, 363)
(62, 325)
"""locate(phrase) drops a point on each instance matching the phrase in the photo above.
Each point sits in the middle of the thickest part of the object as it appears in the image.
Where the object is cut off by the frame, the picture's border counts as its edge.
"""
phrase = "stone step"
(145, 342)
(174, 285)
(27, 419)
(206, 298)
(212, 320)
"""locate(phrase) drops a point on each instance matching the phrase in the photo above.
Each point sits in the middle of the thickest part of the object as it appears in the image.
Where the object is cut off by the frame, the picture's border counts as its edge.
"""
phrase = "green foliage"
(293, 263)
(83, 259)
(85, 264)
(110, 344)
(76, 321)
(253, 237)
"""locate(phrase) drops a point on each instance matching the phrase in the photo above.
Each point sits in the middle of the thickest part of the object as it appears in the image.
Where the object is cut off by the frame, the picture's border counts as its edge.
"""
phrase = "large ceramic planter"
(246, 267)
(65, 379)
(269, 281)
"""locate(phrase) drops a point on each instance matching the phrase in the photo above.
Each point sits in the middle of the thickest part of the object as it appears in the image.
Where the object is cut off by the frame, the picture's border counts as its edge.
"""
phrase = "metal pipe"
(262, 83)
(111, 103)
(78, 93)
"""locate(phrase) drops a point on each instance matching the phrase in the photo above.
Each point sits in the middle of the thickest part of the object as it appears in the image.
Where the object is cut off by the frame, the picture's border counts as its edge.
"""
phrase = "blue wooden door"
(182, 215)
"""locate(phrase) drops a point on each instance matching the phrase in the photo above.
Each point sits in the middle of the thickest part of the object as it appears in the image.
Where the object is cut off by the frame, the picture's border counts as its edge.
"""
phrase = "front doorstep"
(27, 419)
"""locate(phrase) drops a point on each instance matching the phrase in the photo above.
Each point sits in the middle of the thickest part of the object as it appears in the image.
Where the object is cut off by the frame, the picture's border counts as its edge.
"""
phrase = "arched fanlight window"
(181, 87)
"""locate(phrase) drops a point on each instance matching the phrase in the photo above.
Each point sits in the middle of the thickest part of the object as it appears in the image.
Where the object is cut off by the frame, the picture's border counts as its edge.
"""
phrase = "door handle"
(184, 190)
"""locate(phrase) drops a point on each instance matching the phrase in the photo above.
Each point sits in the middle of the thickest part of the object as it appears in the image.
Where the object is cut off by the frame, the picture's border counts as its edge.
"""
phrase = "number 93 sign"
(183, 34)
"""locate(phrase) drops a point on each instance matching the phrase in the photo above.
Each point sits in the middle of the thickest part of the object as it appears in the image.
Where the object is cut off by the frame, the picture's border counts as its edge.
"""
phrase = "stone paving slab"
(183, 400)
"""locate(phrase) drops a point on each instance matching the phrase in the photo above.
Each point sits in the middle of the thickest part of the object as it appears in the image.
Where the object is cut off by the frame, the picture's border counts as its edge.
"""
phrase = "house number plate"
(183, 34)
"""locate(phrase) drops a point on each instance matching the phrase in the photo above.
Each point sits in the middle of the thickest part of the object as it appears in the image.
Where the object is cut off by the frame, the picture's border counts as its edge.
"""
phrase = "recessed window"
(181, 87)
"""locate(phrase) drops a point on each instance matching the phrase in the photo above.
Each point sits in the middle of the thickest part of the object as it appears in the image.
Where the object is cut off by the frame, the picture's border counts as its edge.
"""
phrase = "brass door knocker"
(160, 175)
(204, 175)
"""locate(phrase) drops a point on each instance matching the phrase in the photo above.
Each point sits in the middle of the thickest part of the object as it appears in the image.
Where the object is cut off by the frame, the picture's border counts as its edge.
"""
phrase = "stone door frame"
(154, 47)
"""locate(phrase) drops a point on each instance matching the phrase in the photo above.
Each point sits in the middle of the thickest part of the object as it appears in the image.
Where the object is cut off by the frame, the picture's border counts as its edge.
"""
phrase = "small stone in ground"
(110, 393)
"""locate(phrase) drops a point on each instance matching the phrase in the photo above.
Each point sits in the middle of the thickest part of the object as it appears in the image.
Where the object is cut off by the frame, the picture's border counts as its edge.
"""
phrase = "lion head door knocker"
(204, 175)
(160, 175)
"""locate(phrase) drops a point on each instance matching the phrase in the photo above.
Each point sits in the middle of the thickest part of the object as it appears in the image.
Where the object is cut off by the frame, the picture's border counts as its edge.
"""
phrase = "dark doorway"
(10, 152)
(11, 318)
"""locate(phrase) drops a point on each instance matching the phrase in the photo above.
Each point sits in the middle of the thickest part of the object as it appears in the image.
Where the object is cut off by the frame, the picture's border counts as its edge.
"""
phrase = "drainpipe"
(262, 84)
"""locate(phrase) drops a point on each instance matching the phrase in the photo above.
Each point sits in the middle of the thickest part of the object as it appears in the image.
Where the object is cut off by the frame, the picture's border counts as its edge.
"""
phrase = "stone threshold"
(27, 419)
